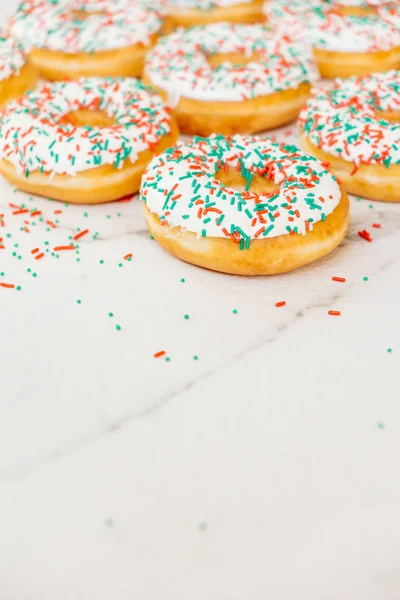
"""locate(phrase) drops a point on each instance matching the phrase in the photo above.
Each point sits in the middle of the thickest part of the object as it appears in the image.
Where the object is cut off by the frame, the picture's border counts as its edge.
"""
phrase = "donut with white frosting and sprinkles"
(16, 75)
(187, 13)
(355, 127)
(342, 44)
(68, 39)
(229, 78)
(87, 141)
(243, 205)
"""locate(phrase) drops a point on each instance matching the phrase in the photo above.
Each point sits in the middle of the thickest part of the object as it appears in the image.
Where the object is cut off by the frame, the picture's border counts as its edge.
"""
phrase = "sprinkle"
(61, 248)
(365, 278)
(160, 353)
(77, 236)
(279, 304)
(182, 280)
(334, 313)
(376, 225)
(128, 256)
(234, 311)
(186, 316)
(39, 256)
(118, 327)
(365, 235)
(389, 350)
(339, 279)
(7, 285)
(79, 301)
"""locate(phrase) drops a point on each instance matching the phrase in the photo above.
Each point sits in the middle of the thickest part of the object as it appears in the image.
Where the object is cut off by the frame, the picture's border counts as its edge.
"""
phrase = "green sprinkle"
(118, 327)
(186, 316)
(390, 350)
(234, 311)
(110, 314)
(101, 261)
(183, 280)
(18, 287)
(79, 301)
(380, 425)
(195, 357)
(365, 278)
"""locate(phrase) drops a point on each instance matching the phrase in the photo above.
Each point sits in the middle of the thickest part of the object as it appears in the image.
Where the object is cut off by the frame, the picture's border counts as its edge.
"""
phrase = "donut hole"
(82, 15)
(231, 178)
(389, 115)
(85, 117)
(236, 59)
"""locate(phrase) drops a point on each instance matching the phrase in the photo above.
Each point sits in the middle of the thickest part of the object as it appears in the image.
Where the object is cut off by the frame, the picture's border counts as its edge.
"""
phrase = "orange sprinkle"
(334, 313)
(53, 225)
(376, 225)
(158, 354)
(35, 213)
(21, 211)
(279, 304)
(39, 256)
(2, 247)
(58, 212)
(60, 248)
(340, 279)
(127, 256)
(7, 285)
(81, 234)
(34, 250)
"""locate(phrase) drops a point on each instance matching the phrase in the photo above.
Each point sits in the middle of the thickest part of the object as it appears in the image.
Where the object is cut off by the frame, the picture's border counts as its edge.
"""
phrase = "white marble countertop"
(267, 468)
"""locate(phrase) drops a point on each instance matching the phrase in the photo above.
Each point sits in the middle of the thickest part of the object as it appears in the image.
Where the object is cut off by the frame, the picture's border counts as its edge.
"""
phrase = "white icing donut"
(73, 26)
(316, 25)
(344, 121)
(178, 63)
(180, 187)
(12, 57)
(34, 135)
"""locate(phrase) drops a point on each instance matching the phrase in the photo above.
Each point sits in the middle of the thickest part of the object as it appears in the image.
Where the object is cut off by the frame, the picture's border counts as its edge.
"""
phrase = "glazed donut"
(16, 76)
(187, 13)
(243, 205)
(68, 39)
(85, 141)
(355, 127)
(342, 44)
(229, 78)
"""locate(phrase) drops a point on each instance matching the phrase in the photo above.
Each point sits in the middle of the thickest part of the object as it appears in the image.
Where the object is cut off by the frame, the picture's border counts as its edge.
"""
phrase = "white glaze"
(180, 182)
(32, 139)
(38, 24)
(12, 57)
(345, 121)
(178, 63)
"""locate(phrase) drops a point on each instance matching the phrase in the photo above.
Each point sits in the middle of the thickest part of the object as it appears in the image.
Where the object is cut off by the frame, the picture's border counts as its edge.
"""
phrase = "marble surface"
(267, 468)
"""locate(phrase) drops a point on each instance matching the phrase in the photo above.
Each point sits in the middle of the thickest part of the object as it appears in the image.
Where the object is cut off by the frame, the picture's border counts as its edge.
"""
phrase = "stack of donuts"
(94, 95)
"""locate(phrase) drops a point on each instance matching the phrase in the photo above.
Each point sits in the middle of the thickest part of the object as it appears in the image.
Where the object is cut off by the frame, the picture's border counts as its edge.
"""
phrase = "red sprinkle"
(81, 234)
(334, 313)
(59, 248)
(158, 354)
(365, 235)
(279, 304)
(376, 225)
(340, 279)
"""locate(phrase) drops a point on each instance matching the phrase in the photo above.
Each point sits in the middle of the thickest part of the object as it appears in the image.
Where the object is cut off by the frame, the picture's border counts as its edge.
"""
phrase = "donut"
(16, 75)
(187, 13)
(243, 205)
(229, 78)
(69, 39)
(343, 45)
(85, 141)
(355, 127)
